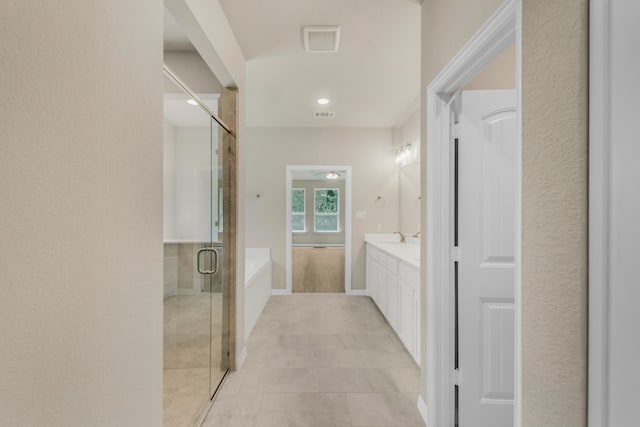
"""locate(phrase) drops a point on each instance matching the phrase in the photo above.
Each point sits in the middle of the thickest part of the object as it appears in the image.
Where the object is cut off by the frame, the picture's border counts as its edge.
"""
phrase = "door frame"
(599, 221)
(347, 223)
(497, 33)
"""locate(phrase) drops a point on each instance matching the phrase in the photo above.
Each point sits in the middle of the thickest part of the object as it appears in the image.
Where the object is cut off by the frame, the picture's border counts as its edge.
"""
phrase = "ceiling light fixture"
(323, 101)
(192, 102)
(332, 175)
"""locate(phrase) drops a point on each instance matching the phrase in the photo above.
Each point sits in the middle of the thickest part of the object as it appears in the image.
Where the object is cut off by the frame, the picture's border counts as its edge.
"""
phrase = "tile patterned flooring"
(321, 360)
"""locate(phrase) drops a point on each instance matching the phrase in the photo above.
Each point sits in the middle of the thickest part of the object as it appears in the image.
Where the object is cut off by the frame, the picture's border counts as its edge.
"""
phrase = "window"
(297, 210)
(326, 203)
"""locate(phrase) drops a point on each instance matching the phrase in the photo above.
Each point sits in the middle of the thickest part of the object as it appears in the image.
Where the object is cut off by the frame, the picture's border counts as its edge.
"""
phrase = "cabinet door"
(415, 296)
(406, 317)
(372, 272)
(382, 290)
(392, 300)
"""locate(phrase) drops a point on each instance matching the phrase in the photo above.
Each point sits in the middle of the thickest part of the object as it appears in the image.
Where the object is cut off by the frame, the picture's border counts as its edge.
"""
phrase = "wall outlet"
(361, 215)
(379, 228)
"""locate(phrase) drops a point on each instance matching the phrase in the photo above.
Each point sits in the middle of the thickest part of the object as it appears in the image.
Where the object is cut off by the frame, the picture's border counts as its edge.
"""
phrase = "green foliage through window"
(326, 209)
(297, 200)
(297, 209)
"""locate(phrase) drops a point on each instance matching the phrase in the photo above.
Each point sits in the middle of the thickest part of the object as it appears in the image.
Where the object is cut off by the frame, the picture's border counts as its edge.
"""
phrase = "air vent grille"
(324, 114)
(321, 38)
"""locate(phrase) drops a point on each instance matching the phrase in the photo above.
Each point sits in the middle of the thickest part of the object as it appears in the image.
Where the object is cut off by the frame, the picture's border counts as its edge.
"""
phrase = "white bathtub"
(257, 281)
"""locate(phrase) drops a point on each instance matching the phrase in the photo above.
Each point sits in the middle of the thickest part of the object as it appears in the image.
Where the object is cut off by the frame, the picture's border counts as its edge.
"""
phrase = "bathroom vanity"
(393, 282)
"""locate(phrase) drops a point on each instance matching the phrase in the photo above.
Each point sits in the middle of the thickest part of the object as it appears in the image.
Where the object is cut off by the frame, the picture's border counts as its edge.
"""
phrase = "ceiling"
(372, 81)
(175, 40)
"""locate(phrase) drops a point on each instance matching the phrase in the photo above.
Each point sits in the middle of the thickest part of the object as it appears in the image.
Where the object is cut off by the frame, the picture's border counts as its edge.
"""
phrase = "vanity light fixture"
(192, 102)
(332, 175)
(404, 154)
(323, 101)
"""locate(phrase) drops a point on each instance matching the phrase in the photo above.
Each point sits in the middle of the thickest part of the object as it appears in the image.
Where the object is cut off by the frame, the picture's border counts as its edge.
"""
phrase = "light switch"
(361, 215)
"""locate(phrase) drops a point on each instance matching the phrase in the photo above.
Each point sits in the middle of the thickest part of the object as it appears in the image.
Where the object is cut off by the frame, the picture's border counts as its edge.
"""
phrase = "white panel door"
(486, 270)
(405, 315)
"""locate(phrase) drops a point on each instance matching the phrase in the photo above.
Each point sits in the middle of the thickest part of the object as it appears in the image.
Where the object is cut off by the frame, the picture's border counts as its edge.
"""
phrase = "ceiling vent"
(321, 38)
(324, 114)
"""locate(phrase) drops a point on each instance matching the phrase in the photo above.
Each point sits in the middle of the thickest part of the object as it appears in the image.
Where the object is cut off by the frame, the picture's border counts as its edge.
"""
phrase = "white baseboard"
(241, 358)
(280, 292)
(358, 292)
(422, 408)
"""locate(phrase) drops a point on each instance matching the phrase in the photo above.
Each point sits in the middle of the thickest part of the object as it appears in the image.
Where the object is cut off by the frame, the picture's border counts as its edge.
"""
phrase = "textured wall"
(269, 150)
(554, 212)
(81, 213)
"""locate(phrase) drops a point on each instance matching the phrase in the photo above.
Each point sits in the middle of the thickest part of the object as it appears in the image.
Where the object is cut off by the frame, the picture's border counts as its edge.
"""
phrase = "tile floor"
(321, 360)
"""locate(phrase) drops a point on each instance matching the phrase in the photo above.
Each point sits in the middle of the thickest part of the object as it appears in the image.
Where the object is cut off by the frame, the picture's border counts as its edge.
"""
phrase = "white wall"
(368, 151)
(169, 179)
(192, 70)
(81, 215)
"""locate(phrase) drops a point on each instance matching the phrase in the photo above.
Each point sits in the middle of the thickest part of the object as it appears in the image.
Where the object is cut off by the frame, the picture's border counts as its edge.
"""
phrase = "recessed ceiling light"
(191, 102)
(323, 101)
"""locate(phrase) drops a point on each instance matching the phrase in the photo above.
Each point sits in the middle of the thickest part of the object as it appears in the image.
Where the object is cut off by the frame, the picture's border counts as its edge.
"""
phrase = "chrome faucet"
(402, 238)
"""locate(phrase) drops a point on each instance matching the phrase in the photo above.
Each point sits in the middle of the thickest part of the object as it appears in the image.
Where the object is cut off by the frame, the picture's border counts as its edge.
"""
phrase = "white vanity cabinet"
(409, 297)
(372, 278)
(394, 285)
(391, 283)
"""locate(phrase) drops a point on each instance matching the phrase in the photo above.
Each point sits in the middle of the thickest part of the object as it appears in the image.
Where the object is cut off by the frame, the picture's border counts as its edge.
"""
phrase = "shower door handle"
(215, 264)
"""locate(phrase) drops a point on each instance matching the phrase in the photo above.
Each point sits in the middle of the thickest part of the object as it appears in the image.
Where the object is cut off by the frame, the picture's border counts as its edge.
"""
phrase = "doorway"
(197, 252)
(473, 234)
(318, 228)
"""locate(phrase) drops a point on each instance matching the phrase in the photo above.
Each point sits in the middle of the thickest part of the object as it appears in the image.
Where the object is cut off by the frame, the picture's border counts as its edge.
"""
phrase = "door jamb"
(501, 29)
(599, 186)
(347, 223)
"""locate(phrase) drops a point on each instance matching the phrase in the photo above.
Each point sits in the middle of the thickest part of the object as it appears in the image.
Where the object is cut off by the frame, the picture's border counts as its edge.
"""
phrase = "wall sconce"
(404, 154)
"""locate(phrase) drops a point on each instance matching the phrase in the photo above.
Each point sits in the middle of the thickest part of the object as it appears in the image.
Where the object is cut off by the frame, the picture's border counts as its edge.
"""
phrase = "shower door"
(196, 281)
(218, 256)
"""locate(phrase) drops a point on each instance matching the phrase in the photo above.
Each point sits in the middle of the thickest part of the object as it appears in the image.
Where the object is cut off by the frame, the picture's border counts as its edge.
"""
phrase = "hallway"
(320, 360)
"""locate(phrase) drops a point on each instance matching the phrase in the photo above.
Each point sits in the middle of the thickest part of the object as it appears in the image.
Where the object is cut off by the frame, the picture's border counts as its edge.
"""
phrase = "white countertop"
(408, 252)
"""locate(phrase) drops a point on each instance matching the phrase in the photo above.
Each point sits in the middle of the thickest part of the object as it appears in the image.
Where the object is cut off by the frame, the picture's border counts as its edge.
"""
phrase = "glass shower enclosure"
(196, 285)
